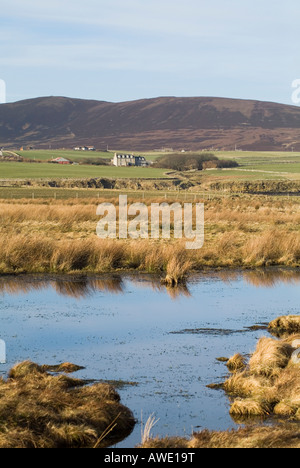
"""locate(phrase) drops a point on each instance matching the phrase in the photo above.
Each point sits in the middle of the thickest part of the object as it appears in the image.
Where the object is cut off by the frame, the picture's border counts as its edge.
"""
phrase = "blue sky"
(119, 50)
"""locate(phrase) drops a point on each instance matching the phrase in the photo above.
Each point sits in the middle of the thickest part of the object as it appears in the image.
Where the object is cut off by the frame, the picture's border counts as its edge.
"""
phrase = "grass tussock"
(286, 324)
(236, 363)
(270, 382)
(270, 357)
(40, 410)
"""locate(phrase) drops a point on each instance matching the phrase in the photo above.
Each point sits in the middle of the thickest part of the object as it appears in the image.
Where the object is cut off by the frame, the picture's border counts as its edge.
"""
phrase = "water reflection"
(76, 287)
(263, 277)
(84, 286)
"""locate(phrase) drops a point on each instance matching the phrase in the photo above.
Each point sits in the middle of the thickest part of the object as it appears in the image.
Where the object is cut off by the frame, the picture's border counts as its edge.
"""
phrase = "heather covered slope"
(190, 123)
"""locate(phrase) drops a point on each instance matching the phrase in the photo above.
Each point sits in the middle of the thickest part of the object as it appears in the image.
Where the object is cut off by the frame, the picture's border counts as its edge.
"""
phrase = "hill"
(189, 123)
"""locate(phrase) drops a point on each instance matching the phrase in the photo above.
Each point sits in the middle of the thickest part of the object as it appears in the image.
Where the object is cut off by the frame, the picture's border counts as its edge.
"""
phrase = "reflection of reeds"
(157, 285)
(72, 287)
(85, 286)
(88, 286)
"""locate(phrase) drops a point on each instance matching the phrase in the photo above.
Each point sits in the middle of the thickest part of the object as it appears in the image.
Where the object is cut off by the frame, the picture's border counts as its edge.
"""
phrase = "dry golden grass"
(270, 357)
(60, 236)
(236, 362)
(39, 410)
(282, 436)
(270, 383)
(286, 324)
(247, 408)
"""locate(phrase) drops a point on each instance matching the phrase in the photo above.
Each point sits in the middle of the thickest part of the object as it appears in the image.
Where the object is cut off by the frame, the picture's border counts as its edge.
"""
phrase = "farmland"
(15, 170)
(252, 166)
(48, 226)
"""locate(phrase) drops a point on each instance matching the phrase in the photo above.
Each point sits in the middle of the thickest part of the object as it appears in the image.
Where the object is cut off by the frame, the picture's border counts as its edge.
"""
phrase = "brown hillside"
(191, 123)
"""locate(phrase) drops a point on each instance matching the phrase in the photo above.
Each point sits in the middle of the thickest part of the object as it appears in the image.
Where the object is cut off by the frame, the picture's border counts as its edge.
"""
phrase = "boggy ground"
(39, 236)
(267, 385)
(42, 410)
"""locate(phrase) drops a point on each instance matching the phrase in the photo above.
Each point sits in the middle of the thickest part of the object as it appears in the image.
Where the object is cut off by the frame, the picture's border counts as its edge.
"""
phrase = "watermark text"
(296, 92)
(2, 92)
(139, 221)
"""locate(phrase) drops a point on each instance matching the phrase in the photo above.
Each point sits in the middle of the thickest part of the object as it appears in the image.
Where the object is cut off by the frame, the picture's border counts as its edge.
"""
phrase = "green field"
(17, 170)
(260, 165)
(252, 166)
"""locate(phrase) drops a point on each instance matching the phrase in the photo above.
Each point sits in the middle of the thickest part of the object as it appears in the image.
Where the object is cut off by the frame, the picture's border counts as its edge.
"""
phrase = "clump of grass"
(286, 324)
(40, 410)
(268, 385)
(249, 407)
(270, 357)
(270, 382)
(178, 267)
(236, 362)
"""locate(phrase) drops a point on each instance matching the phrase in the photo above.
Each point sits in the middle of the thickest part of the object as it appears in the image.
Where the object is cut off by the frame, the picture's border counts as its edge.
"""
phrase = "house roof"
(61, 160)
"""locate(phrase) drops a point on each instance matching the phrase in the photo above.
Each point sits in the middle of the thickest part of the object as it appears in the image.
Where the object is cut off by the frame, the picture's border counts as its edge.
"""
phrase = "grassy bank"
(42, 410)
(60, 237)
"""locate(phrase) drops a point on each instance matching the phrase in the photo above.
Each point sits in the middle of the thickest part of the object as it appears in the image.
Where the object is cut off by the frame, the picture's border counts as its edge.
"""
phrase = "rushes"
(33, 254)
(38, 253)
(60, 236)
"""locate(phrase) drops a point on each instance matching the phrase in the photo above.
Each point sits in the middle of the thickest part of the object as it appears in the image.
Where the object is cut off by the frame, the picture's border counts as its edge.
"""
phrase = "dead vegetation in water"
(40, 410)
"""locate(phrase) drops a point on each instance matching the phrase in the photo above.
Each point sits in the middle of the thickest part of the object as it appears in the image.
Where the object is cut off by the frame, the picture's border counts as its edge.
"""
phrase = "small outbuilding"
(61, 161)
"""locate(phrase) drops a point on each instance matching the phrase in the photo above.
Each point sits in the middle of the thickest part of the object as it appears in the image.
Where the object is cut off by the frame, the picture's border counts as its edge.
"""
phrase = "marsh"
(158, 345)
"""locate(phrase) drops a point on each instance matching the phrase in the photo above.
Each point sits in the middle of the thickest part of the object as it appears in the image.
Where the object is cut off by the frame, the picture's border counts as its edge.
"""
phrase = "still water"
(159, 345)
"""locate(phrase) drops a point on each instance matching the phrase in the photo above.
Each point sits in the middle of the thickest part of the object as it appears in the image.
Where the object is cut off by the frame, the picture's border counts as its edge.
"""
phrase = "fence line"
(49, 193)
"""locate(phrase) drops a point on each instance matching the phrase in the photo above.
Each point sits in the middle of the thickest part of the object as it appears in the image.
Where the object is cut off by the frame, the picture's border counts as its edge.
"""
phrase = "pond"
(159, 346)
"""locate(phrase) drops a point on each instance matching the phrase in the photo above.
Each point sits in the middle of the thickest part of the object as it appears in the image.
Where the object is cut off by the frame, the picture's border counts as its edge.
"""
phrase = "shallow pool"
(160, 345)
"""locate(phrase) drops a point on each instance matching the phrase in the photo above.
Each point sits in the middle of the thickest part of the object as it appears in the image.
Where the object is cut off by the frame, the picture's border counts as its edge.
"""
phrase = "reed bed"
(60, 236)
(34, 253)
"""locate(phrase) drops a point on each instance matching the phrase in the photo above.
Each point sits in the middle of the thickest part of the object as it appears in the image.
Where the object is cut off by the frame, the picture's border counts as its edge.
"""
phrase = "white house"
(125, 160)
